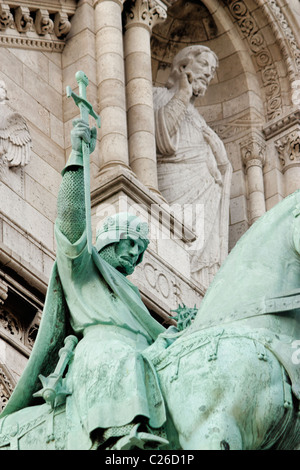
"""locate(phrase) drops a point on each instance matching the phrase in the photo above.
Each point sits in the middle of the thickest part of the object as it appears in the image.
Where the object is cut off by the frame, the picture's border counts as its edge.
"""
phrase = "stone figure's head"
(122, 241)
(3, 92)
(199, 62)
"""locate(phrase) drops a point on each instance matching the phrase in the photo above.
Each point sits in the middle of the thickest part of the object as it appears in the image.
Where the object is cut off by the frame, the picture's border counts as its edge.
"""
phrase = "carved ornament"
(35, 25)
(288, 148)
(285, 36)
(146, 13)
(281, 124)
(7, 384)
(253, 152)
(262, 56)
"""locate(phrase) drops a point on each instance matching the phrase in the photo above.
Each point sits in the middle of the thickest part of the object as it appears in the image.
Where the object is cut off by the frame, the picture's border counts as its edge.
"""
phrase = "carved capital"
(253, 152)
(288, 148)
(6, 17)
(145, 13)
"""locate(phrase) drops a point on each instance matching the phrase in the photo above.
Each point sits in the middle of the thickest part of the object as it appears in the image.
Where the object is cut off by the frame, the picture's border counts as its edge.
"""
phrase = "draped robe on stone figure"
(187, 175)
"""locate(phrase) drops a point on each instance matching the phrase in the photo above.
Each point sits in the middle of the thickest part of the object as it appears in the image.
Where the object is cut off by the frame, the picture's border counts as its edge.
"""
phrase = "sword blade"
(87, 194)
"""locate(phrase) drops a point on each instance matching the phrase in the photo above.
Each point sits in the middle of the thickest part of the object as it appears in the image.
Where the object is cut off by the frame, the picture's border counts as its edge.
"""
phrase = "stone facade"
(126, 47)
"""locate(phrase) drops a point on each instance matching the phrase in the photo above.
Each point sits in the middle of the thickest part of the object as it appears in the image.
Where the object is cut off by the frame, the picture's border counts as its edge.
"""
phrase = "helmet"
(121, 226)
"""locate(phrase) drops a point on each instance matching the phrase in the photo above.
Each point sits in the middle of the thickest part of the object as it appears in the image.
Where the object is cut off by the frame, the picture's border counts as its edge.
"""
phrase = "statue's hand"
(93, 139)
(82, 132)
(186, 86)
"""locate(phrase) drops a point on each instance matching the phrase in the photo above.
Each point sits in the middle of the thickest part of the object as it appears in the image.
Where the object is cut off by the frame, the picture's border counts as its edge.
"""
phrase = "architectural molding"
(261, 54)
(231, 129)
(281, 124)
(284, 35)
(7, 384)
(36, 25)
(288, 148)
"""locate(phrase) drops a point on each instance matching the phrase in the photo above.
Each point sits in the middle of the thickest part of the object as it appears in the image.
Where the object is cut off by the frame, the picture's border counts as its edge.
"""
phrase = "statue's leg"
(131, 436)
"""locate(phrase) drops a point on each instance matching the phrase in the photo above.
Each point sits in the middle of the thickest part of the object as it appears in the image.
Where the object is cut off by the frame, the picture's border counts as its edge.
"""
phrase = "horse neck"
(285, 323)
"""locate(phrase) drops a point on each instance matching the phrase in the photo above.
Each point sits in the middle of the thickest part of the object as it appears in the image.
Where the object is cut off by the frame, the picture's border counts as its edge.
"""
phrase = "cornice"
(69, 6)
(281, 124)
(40, 25)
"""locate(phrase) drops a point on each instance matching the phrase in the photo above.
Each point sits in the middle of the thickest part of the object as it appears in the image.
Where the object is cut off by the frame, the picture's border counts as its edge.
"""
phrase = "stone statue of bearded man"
(193, 168)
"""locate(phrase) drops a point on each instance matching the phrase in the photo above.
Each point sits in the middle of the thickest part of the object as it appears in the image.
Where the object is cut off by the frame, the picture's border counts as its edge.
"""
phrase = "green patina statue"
(103, 374)
(114, 388)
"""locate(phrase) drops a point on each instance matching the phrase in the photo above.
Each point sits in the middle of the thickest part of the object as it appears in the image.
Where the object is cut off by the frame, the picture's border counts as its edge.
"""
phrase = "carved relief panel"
(163, 289)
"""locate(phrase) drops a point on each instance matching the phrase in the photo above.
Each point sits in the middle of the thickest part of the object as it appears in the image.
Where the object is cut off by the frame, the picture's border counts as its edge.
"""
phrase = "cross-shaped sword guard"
(86, 110)
(80, 100)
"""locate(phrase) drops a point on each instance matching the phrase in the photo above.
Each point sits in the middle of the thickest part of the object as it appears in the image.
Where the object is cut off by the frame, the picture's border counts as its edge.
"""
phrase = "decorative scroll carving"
(285, 37)
(6, 17)
(288, 148)
(62, 24)
(43, 23)
(33, 27)
(262, 56)
(146, 12)
(23, 19)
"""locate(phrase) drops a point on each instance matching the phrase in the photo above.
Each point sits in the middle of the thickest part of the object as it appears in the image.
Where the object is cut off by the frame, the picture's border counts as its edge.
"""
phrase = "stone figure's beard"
(126, 265)
(200, 86)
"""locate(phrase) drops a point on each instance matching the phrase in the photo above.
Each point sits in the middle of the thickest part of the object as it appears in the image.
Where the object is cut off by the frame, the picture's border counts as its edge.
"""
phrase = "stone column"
(288, 148)
(111, 83)
(253, 154)
(141, 16)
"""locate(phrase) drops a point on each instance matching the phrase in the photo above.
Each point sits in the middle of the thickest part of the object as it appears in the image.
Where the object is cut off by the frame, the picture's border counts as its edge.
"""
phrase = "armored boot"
(140, 439)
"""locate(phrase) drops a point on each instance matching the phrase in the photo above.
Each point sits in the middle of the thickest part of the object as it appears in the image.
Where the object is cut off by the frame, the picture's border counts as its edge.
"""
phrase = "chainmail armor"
(109, 255)
(70, 205)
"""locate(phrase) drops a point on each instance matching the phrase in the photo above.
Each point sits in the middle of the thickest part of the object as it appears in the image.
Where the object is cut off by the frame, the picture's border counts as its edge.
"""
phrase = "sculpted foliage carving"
(146, 12)
(288, 148)
(261, 54)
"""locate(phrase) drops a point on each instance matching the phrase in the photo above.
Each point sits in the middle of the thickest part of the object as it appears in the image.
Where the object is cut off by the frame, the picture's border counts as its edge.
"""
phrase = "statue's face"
(203, 69)
(127, 252)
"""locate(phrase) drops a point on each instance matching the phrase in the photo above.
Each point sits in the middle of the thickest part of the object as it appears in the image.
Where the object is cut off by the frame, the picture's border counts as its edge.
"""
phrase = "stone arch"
(259, 61)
